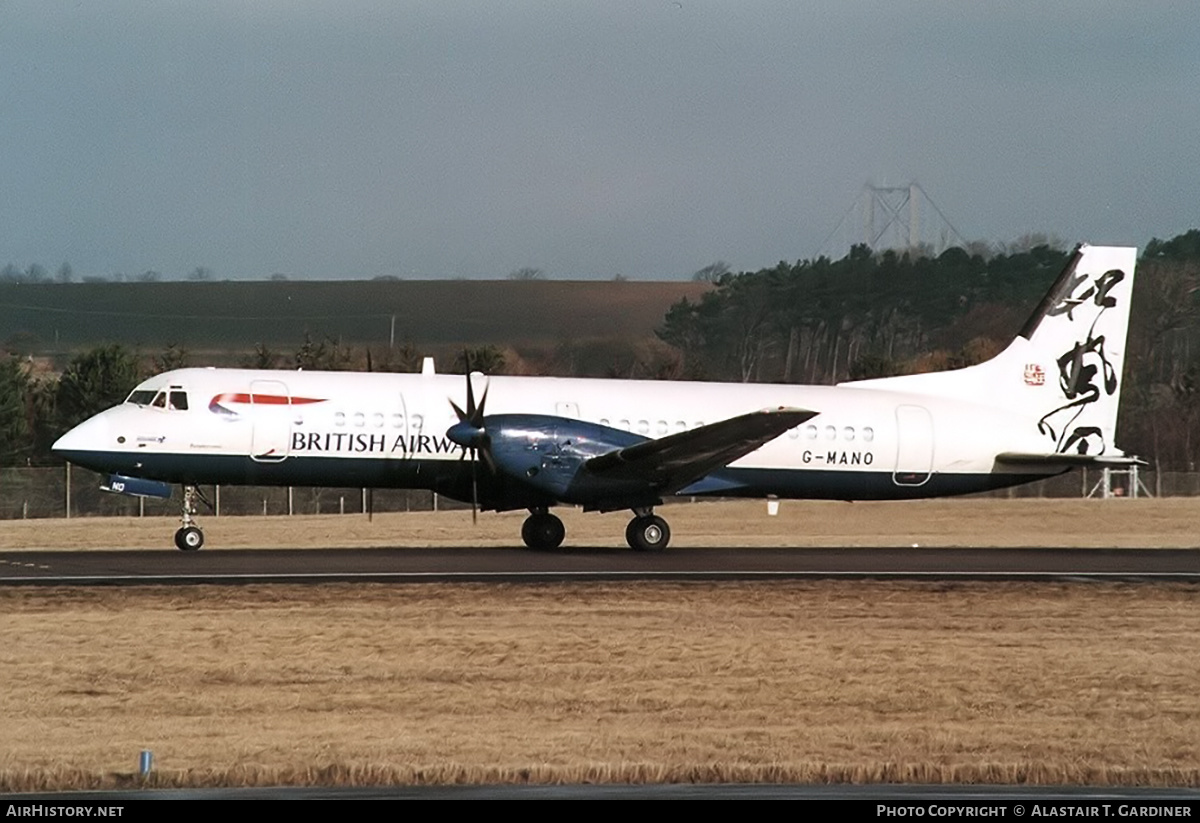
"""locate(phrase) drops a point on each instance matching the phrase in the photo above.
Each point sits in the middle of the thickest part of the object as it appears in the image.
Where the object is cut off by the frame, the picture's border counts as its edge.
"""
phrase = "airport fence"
(73, 492)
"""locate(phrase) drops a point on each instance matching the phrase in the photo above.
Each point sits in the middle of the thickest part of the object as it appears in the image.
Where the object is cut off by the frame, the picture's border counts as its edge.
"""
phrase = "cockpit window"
(173, 399)
(141, 397)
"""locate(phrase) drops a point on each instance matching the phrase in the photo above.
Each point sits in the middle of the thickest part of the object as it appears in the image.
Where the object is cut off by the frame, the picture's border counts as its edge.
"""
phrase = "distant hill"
(49, 318)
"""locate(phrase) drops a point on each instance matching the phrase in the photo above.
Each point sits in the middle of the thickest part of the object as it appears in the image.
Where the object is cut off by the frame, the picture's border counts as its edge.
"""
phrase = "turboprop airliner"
(1048, 402)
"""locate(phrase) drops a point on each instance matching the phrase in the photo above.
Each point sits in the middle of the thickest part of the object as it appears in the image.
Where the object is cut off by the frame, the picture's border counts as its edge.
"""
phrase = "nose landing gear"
(189, 538)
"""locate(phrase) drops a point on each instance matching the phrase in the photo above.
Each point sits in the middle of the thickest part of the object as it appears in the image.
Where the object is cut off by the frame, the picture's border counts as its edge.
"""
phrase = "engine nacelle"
(548, 453)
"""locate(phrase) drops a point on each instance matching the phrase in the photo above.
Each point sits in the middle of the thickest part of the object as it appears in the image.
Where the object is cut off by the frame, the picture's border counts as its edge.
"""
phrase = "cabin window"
(603, 421)
(417, 421)
(868, 433)
(848, 432)
(794, 433)
(339, 419)
(831, 432)
(643, 427)
(662, 427)
(377, 420)
(397, 421)
(624, 424)
(680, 426)
(810, 432)
(360, 419)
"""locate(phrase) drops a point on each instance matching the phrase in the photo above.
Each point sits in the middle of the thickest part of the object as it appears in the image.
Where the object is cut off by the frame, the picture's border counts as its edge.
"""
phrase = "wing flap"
(672, 462)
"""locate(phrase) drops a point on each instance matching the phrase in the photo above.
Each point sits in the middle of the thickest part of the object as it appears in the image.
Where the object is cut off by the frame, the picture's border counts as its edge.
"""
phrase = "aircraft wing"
(672, 462)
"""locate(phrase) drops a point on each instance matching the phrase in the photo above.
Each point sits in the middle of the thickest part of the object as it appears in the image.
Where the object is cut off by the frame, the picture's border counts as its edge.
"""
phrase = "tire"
(543, 532)
(648, 534)
(189, 539)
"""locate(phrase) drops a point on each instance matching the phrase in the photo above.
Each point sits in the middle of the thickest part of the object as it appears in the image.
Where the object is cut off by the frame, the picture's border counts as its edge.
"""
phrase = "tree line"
(37, 273)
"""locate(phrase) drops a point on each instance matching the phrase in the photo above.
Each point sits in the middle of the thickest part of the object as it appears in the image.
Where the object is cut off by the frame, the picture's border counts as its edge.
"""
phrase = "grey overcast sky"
(646, 138)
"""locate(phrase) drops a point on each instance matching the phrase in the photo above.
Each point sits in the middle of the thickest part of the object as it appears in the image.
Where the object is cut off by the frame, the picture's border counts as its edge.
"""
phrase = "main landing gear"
(646, 532)
(542, 531)
(189, 538)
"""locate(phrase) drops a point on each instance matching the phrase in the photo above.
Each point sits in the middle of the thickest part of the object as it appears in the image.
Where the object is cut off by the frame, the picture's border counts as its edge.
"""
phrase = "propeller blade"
(474, 489)
(487, 456)
(470, 434)
(477, 420)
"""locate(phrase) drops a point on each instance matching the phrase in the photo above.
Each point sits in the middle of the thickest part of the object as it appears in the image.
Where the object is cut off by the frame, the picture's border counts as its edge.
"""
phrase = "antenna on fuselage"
(427, 366)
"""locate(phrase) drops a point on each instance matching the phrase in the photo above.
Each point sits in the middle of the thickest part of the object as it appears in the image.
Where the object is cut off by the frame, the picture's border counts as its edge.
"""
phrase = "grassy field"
(236, 315)
(793, 681)
(821, 682)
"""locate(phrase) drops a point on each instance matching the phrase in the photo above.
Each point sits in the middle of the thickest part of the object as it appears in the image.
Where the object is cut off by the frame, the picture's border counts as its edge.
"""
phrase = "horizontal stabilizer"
(672, 462)
(1067, 460)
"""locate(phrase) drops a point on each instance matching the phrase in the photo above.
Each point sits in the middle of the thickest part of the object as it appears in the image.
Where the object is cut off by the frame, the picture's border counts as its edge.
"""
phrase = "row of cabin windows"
(377, 420)
(809, 432)
(643, 426)
(849, 433)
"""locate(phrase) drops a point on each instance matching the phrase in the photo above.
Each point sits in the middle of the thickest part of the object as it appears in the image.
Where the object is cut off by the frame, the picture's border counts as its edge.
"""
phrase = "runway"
(516, 565)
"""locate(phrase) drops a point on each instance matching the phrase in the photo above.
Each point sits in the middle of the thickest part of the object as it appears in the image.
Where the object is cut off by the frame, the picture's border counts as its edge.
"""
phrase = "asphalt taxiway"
(414, 565)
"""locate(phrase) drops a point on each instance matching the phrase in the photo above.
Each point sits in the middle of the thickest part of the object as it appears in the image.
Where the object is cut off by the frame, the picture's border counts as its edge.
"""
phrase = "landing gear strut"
(189, 538)
(647, 532)
(542, 531)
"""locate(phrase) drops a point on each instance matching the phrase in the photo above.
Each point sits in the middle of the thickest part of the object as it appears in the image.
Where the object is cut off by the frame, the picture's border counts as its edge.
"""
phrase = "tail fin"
(1064, 369)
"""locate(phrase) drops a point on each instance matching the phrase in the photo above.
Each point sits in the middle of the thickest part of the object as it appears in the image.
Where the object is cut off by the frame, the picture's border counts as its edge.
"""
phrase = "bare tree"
(1032, 240)
(711, 273)
(527, 273)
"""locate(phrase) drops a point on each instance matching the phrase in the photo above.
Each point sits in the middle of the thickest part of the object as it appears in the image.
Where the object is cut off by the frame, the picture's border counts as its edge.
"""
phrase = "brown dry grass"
(831, 681)
(1160, 523)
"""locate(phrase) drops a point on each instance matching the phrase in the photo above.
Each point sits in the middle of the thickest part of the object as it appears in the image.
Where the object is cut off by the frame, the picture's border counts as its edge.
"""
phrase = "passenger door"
(271, 410)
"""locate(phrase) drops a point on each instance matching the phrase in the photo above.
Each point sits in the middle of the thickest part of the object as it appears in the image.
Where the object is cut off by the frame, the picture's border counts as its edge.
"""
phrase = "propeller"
(469, 432)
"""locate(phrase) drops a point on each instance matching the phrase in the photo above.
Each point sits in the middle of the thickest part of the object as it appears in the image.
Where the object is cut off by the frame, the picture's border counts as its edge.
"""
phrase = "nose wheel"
(647, 533)
(543, 531)
(189, 538)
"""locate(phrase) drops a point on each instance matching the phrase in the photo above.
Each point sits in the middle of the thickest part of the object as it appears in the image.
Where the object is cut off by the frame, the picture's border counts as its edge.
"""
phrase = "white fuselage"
(343, 428)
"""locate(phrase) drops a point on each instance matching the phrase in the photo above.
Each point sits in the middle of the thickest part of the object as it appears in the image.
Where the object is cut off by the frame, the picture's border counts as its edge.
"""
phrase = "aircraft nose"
(88, 439)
